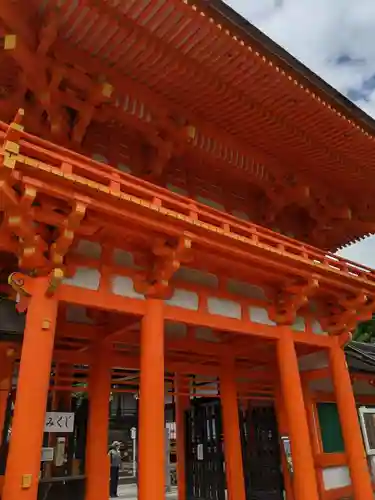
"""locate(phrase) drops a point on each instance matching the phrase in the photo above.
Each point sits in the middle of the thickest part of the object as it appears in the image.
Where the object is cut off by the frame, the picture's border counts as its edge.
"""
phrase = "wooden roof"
(151, 66)
(242, 28)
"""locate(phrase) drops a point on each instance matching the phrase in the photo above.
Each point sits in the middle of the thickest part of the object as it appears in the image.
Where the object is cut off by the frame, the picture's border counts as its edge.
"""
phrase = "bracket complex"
(167, 259)
(38, 251)
(344, 315)
(290, 300)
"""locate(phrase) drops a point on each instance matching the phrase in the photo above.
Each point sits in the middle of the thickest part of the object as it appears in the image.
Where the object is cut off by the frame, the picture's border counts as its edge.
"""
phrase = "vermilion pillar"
(182, 404)
(151, 410)
(359, 472)
(22, 472)
(97, 461)
(304, 477)
(232, 436)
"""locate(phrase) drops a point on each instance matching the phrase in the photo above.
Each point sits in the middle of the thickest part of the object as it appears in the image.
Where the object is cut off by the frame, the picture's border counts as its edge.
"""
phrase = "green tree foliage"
(365, 332)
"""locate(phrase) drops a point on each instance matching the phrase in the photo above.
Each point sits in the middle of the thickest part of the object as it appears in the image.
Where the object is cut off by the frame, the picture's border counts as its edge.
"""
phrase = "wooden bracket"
(55, 279)
(10, 148)
(62, 244)
(167, 259)
(171, 141)
(19, 221)
(344, 315)
(290, 300)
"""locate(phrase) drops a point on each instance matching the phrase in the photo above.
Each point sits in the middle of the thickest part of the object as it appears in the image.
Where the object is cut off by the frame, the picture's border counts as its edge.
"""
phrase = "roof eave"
(242, 28)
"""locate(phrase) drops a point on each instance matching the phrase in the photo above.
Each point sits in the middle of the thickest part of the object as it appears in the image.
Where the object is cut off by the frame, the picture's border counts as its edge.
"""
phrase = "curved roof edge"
(360, 357)
(242, 28)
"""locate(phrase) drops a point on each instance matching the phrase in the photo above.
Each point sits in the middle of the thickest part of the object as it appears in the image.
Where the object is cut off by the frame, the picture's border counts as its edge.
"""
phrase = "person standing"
(115, 463)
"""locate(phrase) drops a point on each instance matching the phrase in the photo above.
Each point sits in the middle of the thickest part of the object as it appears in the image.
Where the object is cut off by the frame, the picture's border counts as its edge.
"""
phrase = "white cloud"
(334, 38)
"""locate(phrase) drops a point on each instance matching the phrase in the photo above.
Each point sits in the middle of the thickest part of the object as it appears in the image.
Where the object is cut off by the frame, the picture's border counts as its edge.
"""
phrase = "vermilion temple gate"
(104, 311)
(160, 220)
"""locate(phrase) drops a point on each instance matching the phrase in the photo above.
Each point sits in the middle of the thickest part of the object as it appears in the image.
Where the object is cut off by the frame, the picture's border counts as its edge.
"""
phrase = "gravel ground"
(129, 492)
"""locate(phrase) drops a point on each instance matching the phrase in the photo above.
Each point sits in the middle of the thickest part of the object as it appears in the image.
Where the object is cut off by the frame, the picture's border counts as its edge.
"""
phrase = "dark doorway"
(204, 451)
(205, 470)
(261, 453)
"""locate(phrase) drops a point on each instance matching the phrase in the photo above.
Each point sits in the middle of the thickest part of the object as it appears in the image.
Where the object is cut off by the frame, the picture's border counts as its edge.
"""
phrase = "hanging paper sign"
(288, 453)
(58, 422)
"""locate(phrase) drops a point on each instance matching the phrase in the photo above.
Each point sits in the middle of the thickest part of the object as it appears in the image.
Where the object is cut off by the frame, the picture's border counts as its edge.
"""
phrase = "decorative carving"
(290, 300)
(22, 284)
(167, 259)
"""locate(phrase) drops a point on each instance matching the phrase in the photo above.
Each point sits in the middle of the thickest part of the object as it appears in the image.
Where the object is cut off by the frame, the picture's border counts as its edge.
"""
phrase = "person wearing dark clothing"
(115, 463)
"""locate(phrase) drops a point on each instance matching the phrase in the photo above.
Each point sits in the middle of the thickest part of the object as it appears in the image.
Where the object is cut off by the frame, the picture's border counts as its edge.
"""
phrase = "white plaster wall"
(260, 315)
(336, 477)
(185, 299)
(224, 307)
(84, 277)
(124, 286)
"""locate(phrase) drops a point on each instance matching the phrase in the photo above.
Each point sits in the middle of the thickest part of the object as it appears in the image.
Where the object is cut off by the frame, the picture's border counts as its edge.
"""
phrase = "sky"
(335, 39)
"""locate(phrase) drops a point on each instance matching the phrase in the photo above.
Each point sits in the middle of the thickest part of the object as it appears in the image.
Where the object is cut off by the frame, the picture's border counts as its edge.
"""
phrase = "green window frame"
(330, 428)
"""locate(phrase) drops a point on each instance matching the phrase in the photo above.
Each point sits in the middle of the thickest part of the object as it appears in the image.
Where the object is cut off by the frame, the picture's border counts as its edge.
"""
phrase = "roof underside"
(258, 113)
(274, 52)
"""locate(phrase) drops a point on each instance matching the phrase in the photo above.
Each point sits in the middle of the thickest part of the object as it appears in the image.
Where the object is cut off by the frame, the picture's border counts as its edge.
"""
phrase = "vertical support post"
(151, 405)
(97, 462)
(359, 471)
(182, 404)
(312, 420)
(283, 430)
(232, 436)
(304, 477)
(310, 413)
(22, 475)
